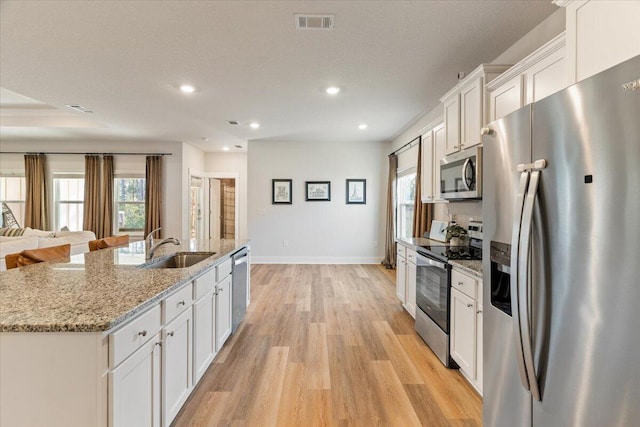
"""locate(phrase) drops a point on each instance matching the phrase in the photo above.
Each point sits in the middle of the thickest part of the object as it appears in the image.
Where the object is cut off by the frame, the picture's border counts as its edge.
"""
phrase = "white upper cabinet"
(439, 151)
(427, 168)
(600, 34)
(537, 76)
(466, 108)
(433, 149)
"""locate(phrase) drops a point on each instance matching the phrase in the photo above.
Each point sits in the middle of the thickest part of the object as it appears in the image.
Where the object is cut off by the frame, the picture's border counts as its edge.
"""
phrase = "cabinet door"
(439, 151)
(401, 278)
(546, 77)
(452, 125)
(134, 388)
(223, 312)
(479, 346)
(506, 98)
(427, 168)
(411, 289)
(471, 100)
(463, 332)
(177, 378)
(204, 334)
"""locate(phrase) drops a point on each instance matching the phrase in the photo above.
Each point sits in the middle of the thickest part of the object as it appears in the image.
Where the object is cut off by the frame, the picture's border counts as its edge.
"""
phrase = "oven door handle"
(429, 261)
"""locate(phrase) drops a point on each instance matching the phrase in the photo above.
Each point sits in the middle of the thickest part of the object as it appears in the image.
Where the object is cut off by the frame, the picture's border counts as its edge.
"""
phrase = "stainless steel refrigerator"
(561, 211)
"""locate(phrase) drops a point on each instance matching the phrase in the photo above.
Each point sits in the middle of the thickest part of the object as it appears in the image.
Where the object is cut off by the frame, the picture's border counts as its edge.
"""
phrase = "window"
(129, 204)
(406, 187)
(12, 192)
(68, 193)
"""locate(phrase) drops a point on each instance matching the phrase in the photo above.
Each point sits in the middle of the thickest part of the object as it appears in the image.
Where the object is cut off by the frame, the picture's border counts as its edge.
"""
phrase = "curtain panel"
(106, 221)
(91, 211)
(422, 212)
(36, 209)
(390, 237)
(153, 195)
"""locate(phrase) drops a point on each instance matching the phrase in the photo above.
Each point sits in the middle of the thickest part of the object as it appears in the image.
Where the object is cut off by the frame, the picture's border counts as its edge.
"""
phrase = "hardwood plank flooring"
(328, 345)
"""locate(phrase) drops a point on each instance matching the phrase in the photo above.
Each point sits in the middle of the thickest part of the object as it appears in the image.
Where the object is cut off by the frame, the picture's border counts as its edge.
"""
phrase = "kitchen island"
(101, 341)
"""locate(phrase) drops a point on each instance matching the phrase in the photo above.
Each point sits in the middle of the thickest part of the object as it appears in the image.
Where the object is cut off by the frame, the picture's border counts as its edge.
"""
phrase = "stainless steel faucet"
(150, 247)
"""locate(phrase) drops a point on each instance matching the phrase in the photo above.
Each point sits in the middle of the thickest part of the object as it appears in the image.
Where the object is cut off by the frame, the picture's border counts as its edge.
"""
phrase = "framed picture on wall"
(281, 191)
(356, 191)
(317, 191)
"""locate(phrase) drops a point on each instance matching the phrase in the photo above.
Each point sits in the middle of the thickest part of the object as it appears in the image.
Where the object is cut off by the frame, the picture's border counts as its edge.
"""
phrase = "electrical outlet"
(285, 243)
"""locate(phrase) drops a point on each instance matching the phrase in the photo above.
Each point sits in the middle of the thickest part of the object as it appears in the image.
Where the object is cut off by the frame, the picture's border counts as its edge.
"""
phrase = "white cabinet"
(204, 334)
(466, 108)
(537, 76)
(177, 378)
(401, 272)
(223, 312)
(600, 34)
(427, 168)
(433, 149)
(439, 151)
(410, 286)
(466, 326)
(134, 388)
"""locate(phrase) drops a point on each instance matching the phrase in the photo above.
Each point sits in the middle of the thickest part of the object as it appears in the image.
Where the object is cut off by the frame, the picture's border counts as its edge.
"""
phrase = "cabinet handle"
(460, 284)
(479, 311)
(143, 333)
(469, 305)
(159, 343)
(170, 334)
(182, 302)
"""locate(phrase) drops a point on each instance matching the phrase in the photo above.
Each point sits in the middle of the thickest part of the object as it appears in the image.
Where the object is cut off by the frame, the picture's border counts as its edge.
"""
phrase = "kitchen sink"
(178, 260)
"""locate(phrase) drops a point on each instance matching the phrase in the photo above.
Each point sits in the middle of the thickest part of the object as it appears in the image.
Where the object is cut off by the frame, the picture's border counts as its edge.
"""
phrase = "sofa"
(16, 240)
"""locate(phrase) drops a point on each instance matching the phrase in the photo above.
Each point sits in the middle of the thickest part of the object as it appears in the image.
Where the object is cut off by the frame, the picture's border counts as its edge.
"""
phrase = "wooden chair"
(108, 242)
(34, 256)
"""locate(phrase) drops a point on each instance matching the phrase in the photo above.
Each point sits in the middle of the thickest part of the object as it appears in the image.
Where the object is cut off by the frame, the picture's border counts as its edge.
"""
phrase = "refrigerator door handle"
(524, 278)
(515, 285)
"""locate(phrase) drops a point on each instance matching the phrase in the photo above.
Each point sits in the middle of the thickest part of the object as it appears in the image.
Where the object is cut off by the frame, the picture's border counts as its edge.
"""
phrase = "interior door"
(196, 203)
(215, 212)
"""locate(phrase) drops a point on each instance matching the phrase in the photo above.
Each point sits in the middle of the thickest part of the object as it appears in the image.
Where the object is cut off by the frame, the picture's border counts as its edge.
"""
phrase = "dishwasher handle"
(242, 260)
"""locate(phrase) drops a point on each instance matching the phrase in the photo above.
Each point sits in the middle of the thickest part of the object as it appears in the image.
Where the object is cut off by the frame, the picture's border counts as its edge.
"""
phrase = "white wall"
(75, 163)
(317, 232)
(221, 165)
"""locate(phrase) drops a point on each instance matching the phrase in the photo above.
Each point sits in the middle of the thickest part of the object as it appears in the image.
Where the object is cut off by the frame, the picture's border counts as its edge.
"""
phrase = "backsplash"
(461, 212)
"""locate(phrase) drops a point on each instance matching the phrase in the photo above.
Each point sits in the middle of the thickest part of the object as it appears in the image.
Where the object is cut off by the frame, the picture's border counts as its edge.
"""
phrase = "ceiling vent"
(232, 122)
(79, 108)
(238, 146)
(314, 22)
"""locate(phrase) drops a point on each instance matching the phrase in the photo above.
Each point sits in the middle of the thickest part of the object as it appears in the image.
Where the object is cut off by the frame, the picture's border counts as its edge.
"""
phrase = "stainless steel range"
(433, 291)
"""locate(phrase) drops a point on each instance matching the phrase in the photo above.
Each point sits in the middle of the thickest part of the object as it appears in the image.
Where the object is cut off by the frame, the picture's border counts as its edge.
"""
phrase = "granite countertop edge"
(473, 268)
(183, 276)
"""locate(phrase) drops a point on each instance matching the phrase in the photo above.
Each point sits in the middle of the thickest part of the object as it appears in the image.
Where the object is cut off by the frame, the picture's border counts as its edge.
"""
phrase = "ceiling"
(125, 61)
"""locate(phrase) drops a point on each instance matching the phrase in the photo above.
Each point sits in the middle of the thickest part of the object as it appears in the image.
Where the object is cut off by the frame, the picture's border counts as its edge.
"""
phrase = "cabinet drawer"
(176, 303)
(203, 284)
(411, 255)
(129, 338)
(223, 270)
(465, 284)
(401, 251)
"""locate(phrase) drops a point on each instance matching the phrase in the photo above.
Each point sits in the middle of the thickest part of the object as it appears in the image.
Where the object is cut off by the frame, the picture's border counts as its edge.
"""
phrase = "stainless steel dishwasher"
(239, 286)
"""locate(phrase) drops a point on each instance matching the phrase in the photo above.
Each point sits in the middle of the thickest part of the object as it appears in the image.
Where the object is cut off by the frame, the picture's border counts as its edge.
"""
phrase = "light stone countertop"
(96, 291)
(471, 268)
(416, 242)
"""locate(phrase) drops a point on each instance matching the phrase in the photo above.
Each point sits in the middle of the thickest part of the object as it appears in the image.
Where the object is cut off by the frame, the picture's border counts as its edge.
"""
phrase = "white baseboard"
(314, 260)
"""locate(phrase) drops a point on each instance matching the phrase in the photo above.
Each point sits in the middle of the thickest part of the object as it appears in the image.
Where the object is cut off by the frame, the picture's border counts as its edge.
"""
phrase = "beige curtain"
(106, 221)
(153, 195)
(36, 209)
(390, 239)
(422, 212)
(91, 212)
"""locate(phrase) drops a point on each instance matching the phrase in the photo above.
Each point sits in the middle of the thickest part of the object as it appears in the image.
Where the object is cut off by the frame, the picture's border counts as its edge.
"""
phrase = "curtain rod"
(406, 146)
(95, 154)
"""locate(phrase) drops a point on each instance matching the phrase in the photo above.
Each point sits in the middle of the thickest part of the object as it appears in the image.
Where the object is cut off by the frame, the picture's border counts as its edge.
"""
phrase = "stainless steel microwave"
(461, 175)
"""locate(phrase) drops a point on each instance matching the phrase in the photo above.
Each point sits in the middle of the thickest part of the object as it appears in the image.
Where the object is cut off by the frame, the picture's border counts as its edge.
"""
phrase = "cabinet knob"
(460, 284)
(469, 305)
(486, 131)
(170, 334)
(479, 311)
(143, 333)
(455, 146)
(159, 343)
(182, 302)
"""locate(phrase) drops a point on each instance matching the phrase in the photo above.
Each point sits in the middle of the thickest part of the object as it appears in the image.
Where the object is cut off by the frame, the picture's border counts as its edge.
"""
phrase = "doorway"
(216, 195)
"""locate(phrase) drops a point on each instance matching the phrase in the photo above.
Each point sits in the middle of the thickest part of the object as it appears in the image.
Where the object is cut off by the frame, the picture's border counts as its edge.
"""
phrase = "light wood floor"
(328, 345)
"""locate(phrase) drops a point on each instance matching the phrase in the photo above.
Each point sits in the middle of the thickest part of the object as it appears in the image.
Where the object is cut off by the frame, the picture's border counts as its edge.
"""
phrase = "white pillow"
(87, 235)
(16, 245)
(28, 231)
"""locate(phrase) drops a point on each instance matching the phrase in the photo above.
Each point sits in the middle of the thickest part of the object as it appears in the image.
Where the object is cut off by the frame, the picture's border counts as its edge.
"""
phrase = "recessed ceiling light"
(332, 90)
(362, 126)
(225, 148)
(187, 89)
(254, 125)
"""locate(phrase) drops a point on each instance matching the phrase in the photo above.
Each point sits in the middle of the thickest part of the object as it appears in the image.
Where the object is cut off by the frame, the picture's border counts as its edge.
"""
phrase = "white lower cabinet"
(410, 296)
(204, 334)
(223, 312)
(134, 388)
(177, 378)
(466, 326)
